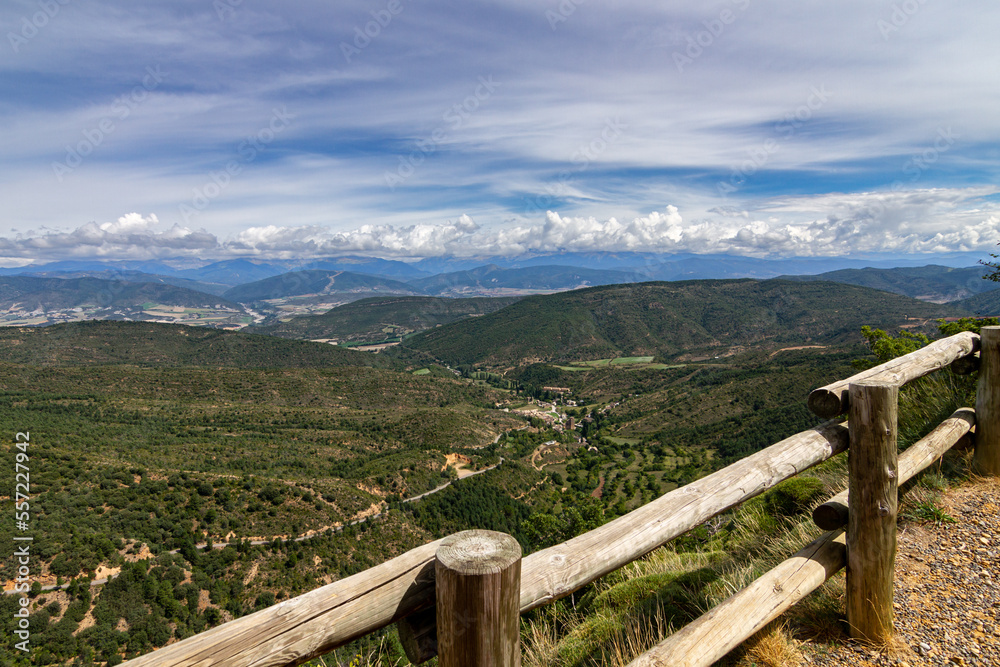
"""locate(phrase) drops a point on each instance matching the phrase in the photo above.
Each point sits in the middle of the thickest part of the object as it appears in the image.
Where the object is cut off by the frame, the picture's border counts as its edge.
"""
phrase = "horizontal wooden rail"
(833, 400)
(554, 573)
(307, 626)
(716, 633)
(317, 622)
(727, 625)
(310, 625)
(833, 513)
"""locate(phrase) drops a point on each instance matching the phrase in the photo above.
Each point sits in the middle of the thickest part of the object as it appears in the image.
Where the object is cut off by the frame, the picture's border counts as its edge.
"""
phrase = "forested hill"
(30, 292)
(168, 345)
(378, 318)
(298, 283)
(670, 318)
(929, 283)
(985, 304)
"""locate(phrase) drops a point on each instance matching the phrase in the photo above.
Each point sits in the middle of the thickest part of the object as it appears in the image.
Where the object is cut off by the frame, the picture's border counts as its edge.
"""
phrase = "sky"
(412, 128)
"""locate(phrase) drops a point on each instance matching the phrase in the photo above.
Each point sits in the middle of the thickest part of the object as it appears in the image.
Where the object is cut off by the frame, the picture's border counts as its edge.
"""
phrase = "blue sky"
(410, 128)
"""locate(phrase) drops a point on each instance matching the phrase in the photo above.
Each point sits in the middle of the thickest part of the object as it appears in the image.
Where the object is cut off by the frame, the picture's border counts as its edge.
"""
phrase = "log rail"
(403, 589)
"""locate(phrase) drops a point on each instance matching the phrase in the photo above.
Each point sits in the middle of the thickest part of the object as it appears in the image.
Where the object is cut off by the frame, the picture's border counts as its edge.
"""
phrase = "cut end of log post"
(831, 515)
(478, 552)
(827, 404)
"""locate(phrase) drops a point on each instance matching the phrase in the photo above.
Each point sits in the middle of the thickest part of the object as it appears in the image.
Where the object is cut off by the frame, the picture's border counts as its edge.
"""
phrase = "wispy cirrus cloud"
(518, 154)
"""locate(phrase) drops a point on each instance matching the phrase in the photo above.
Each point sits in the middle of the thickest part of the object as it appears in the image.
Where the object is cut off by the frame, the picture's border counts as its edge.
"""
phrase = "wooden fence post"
(987, 458)
(871, 525)
(478, 590)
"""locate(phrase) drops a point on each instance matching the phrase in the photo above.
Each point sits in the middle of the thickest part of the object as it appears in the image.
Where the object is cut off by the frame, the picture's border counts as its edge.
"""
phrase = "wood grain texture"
(307, 626)
(478, 580)
(873, 474)
(950, 433)
(833, 399)
(717, 632)
(987, 456)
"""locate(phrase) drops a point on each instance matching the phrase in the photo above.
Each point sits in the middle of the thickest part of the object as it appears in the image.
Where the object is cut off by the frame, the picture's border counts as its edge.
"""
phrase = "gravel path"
(947, 589)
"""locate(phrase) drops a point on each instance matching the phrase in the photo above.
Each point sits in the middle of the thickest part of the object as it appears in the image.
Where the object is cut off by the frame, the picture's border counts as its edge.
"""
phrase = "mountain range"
(667, 319)
(245, 291)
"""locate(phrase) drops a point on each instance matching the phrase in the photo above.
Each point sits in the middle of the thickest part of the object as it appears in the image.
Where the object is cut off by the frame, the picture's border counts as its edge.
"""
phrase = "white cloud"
(917, 222)
(130, 236)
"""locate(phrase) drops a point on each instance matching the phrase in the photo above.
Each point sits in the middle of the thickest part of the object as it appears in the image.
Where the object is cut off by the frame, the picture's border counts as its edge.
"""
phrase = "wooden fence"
(470, 616)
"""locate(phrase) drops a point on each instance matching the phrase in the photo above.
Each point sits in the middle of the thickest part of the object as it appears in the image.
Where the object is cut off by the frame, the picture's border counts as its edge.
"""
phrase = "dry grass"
(771, 647)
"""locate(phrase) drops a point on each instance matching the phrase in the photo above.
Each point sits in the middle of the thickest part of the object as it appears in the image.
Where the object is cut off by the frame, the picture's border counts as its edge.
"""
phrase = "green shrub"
(793, 496)
(587, 639)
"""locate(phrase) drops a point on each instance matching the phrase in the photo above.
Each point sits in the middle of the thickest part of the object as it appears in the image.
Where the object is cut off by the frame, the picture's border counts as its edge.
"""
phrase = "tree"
(995, 274)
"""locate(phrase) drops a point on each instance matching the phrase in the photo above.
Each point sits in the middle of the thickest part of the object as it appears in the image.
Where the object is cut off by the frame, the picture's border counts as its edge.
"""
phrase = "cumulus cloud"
(912, 223)
(130, 236)
(408, 241)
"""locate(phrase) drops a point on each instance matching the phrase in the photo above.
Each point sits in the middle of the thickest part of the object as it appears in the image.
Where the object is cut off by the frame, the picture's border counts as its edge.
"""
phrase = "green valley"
(206, 474)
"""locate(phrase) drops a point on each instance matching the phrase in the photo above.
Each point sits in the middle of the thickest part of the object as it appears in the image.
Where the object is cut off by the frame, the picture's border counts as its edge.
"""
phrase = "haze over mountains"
(244, 292)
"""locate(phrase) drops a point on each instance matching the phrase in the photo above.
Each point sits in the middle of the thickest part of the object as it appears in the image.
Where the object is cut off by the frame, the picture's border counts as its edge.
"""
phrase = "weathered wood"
(717, 632)
(557, 571)
(832, 514)
(554, 573)
(833, 399)
(478, 581)
(873, 474)
(987, 456)
(307, 626)
(315, 623)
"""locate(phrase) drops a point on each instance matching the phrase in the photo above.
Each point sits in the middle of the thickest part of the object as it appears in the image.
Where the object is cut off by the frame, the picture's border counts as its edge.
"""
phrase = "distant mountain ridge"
(230, 272)
(940, 284)
(548, 277)
(32, 292)
(667, 319)
(651, 265)
(125, 275)
(379, 318)
(253, 290)
(318, 282)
